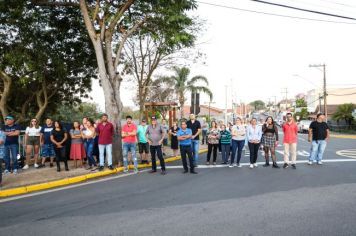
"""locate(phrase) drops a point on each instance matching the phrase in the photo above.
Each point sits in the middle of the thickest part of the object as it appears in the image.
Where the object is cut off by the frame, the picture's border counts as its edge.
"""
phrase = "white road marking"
(347, 153)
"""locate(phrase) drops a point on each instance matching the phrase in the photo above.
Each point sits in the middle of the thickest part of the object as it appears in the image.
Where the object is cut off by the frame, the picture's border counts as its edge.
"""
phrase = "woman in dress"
(77, 151)
(58, 137)
(213, 142)
(270, 141)
(174, 140)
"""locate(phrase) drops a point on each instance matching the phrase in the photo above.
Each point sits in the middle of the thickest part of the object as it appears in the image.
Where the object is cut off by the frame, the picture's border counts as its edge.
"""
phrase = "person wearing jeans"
(2, 142)
(184, 136)
(89, 134)
(254, 135)
(238, 142)
(319, 133)
(12, 132)
(205, 128)
(195, 126)
(105, 131)
(290, 131)
(155, 135)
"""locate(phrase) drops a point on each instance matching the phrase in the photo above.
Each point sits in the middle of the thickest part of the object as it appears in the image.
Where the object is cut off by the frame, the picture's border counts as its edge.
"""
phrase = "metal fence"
(343, 128)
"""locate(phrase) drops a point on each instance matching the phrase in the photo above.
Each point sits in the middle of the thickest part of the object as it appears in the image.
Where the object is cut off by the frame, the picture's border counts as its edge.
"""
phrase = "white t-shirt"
(240, 132)
(33, 131)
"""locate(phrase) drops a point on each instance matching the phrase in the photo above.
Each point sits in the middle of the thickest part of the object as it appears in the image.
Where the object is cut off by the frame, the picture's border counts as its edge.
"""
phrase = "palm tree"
(344, 112)
(181, 85)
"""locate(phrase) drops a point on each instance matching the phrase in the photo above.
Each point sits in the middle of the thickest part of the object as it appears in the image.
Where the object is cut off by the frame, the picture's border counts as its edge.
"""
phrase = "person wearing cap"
(155, 135)
(143, 146)
(195, 126)
(2, 142)
(128, 133)
(105, 131)
(12, 132)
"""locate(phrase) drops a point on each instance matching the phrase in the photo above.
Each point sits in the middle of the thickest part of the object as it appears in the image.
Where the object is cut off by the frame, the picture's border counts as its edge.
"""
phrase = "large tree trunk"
(7, 81)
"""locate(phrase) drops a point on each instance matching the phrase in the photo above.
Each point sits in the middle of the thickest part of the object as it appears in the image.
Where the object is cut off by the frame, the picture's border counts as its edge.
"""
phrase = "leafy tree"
(258, 105)
(300, 102)
(182, 84)
(42, 52)
(344, 112)
(109, 25)
(69, 112)
(303, 114)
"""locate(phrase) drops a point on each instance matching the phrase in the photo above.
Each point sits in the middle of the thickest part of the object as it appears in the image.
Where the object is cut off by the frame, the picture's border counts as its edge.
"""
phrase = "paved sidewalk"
(47, 174)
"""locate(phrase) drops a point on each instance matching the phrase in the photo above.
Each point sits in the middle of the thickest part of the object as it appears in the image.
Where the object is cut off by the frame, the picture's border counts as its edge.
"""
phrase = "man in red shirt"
(290, 130)
(105, 131)
(129, 132)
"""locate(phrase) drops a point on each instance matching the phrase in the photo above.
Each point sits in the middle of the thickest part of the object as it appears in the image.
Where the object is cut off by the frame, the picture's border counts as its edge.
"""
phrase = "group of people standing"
(232, 139)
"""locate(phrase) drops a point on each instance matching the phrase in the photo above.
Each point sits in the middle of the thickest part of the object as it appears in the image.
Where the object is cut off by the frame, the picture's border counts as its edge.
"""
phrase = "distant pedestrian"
(47, 148)
(32, 142)
(2, 147)
(89, 134)
(290, 131)
(155, 135)
(174, 140)
(12, 132)
(238, 142)
(213, 136)
(165, 140)
(319, 134)
(204, 128)
(58, 137)
(77, 151)
(270, 141)
(254, 135)
(195, 126)
(225, 138)
(106, 132)
(128, 133)
(96, 153)
(185, 143)
(143, 146)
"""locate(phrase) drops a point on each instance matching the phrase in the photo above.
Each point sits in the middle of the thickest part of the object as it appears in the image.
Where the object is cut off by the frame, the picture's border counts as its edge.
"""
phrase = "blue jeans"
(237, 145)
(107, 148)
(317, 150)
(225, 151)
(88, 146)
(125, 149)
(195, 148)
(14, 150)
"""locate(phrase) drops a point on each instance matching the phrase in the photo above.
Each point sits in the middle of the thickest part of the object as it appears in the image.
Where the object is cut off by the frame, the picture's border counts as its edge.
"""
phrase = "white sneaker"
(239, 165)
(126, 170)
(310, 163)
(251, 166)
(234, 165)
(25, 167)
(255, 165)
(15, 172)
(6, 172)
(231, 166)
(320, 162)
(36, 165)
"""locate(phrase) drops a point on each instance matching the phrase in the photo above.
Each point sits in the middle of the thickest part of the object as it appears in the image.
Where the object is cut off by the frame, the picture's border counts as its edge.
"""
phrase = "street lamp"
(209, 103)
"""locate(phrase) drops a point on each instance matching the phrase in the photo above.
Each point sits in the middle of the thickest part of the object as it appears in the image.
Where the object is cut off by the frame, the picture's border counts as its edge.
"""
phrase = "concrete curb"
(76, 179)
(346, 136)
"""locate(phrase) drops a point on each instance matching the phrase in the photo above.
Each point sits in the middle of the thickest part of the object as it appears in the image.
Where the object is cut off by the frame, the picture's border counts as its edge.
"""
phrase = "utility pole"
(320, 97)
(226, 104)
(324, 88)
(285, 91)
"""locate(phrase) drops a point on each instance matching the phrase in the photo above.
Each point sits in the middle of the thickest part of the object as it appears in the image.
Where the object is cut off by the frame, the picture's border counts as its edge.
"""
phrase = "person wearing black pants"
(153, 150)
(184, 136)
(58, 137)
(213, 136)
(254, 135)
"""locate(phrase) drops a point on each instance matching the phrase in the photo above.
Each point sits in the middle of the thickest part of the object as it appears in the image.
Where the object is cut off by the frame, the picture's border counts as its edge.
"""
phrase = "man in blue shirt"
(184, 136)
(12, 132)
(46, 143)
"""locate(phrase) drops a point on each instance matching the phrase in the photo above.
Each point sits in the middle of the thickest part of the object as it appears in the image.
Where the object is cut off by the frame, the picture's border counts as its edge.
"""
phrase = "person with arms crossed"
(290, 131)
(128, 133)
(195, 126)
(143, 146)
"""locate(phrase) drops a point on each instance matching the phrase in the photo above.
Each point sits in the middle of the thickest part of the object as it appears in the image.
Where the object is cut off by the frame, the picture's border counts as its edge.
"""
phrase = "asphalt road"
(312, 200)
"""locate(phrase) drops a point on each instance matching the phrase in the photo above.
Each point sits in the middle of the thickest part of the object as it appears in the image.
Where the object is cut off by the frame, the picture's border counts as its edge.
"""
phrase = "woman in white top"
(238, 141)
(32, 142)
(254, 135)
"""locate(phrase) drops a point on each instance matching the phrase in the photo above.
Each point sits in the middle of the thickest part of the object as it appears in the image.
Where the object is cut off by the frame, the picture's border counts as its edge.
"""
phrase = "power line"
(347, 94)
(303, 9)
(323, 6)
(272, 14)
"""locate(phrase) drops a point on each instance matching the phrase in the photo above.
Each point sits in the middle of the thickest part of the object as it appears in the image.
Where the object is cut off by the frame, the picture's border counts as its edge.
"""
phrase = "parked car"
(303, 126)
